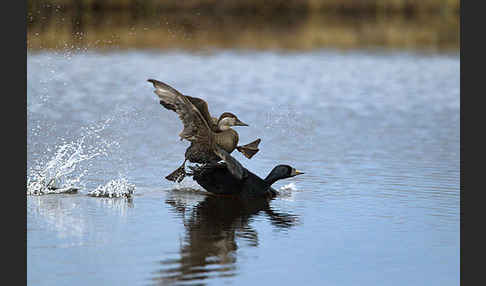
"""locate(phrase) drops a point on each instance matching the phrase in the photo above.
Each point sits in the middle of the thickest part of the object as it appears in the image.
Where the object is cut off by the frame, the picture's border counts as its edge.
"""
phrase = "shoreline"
(190, 31)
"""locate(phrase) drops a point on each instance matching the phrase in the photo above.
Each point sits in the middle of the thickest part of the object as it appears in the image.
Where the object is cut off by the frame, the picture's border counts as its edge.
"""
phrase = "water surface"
(377, 134)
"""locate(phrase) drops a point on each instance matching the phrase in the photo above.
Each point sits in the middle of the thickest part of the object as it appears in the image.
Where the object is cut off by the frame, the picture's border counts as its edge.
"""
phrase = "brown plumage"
(201, 129)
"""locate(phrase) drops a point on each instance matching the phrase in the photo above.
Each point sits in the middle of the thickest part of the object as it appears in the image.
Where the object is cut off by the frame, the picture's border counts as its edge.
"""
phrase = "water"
(376, 133)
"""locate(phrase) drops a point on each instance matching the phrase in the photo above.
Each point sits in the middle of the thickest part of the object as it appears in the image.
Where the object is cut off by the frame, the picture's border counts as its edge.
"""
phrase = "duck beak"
(296, 172)
(240, 123)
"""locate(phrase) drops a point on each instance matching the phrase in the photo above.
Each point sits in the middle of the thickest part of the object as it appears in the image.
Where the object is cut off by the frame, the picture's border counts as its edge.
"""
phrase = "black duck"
(231, 178)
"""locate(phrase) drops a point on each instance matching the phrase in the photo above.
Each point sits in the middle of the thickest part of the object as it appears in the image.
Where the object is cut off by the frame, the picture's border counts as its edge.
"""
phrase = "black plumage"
(231, 178)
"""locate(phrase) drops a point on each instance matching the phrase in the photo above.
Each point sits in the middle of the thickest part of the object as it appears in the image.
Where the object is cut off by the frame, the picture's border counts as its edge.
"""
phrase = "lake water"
(376, 133)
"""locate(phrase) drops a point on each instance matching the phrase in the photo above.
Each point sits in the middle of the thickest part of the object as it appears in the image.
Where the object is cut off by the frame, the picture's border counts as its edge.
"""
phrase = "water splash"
(117, 188)
(287, 192)
(289, 187)
(54, 176)
(187, 184)
(38, 189)
(62, 173)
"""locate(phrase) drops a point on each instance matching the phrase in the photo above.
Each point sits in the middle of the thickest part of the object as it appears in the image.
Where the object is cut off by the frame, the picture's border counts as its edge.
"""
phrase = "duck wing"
(235, 168)
(196, 127)
(202, 106)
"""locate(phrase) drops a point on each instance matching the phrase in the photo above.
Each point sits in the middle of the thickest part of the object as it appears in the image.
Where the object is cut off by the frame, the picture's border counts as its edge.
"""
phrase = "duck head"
(282, 172)
(227, 119)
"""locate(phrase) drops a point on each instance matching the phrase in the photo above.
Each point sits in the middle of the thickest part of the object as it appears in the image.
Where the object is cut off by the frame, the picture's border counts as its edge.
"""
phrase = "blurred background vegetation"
(243, 24)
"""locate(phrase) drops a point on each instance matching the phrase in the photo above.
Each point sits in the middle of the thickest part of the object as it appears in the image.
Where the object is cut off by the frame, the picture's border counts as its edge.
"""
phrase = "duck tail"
(250, 149)
(178, 174)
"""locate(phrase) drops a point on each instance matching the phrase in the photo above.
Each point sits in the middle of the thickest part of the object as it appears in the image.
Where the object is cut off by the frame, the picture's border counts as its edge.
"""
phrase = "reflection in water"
(212, 228)
(67, 215)
(57, 213)
(119, 205)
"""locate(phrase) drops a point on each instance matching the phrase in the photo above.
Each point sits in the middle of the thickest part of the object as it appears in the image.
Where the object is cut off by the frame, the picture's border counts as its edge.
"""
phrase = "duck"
(231, 178)
(204, 131)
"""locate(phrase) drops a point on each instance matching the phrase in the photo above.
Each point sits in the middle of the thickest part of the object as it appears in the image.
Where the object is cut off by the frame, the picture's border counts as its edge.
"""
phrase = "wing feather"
(196, 127)
(235, 167)
(202, 106)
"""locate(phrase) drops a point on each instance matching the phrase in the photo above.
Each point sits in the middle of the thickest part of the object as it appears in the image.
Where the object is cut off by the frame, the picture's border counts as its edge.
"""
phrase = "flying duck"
(201, 129)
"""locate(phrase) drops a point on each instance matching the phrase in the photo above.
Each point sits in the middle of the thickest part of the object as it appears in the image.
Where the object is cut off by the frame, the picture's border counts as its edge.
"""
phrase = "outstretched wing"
(195, 125)
(202, 106)
(235, 168)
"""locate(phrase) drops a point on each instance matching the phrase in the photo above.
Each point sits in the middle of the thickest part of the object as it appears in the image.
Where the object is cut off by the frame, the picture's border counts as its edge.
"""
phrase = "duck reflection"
(212, 229)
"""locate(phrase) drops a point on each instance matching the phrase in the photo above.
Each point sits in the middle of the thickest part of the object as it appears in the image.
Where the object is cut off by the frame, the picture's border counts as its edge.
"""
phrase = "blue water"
(376, 133)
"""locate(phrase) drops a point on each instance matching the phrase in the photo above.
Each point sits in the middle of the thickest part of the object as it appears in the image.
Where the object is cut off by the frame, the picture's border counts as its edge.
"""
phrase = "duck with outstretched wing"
(206, 133)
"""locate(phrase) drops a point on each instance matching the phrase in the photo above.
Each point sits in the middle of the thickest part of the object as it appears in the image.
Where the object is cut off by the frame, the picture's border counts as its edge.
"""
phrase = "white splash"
(287, 192)
(39, 188)
(54, 176)
(119, 188)
(61, 173)
(186, 184)
(289, 187)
